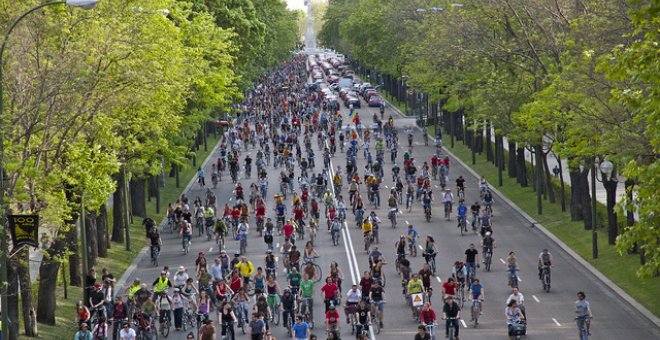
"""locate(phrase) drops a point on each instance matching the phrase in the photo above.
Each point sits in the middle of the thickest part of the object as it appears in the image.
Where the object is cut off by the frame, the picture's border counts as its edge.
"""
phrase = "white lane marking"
(519, 279)
(420, 247)
(386, 187)
(436, 186)
(277, 258)
(350, 265)
(277, 245)
(407, 223)
(502, 260)
(463, 322)
(536, 299)
(439, 279)
(210, 249)
(400, 212)
(556, 322)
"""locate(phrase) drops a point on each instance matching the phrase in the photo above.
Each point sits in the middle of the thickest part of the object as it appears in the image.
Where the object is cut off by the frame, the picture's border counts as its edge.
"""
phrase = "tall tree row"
(573, 80)
(99, 102)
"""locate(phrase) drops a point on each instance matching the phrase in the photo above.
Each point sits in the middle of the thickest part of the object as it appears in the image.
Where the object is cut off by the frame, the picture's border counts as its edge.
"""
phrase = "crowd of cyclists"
(285, 125)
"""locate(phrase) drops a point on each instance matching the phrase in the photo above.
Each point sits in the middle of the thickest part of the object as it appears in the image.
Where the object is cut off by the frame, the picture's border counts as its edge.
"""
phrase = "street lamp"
(610, 183)
(4, 246)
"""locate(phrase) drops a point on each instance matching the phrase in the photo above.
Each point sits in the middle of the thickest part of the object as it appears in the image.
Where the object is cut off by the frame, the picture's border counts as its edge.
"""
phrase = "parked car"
(369, 94)
(352, 100)
(375, 101)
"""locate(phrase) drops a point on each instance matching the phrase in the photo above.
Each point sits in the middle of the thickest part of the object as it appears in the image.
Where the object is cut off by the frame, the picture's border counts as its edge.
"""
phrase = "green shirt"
(307, 288)
(294, 279)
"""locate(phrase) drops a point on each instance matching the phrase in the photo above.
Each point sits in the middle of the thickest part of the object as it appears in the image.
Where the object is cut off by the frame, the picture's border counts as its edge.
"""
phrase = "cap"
(237, 253)
(182, 268)
(163, 273)
(97, 285)
(488, 233)
(176, 290)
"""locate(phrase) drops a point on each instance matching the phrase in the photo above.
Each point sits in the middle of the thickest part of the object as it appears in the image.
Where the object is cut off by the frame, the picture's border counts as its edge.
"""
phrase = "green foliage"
(582, 78)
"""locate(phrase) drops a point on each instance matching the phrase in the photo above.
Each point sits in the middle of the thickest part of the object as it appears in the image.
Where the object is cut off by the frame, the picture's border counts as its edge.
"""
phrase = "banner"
(24, 230)
(417, 299)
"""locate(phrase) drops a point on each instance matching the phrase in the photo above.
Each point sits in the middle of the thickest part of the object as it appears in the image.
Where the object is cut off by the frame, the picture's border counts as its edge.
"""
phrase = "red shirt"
(288, 230)
(298, 213)
(332, 317)
(427, 316)
(329, 290)
(260, 210)
(450, 289)
(236, 213)
(236, 283)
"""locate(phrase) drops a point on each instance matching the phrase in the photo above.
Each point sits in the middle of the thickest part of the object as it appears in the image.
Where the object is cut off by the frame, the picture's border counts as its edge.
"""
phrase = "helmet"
(402, 236)
(332, 307)
(287, 290)
(176, 290)
(237, 253)
(488, 233)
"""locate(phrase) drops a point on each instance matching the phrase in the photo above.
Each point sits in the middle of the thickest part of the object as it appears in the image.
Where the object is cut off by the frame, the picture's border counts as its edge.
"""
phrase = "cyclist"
(246, 268)
(415, 286)
(475, 209)
(332, 319)
(459, 272)
(288, 307)
(451, 312)
(545, 259)
(186, 235)
(427, 317)
(447, 199)
(430, 250)
(472, 260)
(162, 284)
(164, 306)
(461, 211)
(366, 231)
(294, 279)
(449, 288)
(353, 296)
(300, 329)
(486, 223)
(422, 334)
(513, 316)
(488, 200)
(425, 274)
(154, 240)
(477, 293)
(307, 296)
(426, 201)
(460, 186)
(363, 317)
(517, 296)
(583, 310)
(377, 298)
(412, 239)
(329, 293)
(512, 262)
(487, 244)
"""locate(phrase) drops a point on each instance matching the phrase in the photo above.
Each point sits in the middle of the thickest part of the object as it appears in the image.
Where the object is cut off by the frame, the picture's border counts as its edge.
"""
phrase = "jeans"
(472, 269)
(178, 318)
(449, 324)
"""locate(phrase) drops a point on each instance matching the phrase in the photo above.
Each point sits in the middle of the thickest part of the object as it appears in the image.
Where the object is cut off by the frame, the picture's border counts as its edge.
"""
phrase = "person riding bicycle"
(488, 200)
(186, 234)
(238, 191)
(447, 199)
(477, 292)
(425, 274)
(472, 259)
(517, 296)
(461, 211)
(459, 272)
(451, 312)
(475, 209)
(430, 250)
(545, 260)
(487, 244)
(400, 247)
(246, 268)
(332, 319)
(583, 310)
(426, 201)
(513, 316)
(288, 306)
(154, 239)
(377, 297)
(511, 262)
(353, 297)
(460, 185)
(428, 317)
(449, 288)
(486, 223)
(307, 295)
(415, 286)
(412, 235)
(362, 315)
(162, 284)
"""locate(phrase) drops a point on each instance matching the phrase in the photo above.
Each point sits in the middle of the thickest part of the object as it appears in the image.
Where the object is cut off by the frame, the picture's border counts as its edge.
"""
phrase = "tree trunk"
(12, 298)
(512, 160)
(50, 266)
(480, 141)
(550, 189)
(118, 204)
(74, 259)
(562, 184)
(459, 125)
(27, 300)
(489, 143)
(521, 169)
(138, 199)
(92, 239)
(610, 189)
(538, 178)
(102, 231)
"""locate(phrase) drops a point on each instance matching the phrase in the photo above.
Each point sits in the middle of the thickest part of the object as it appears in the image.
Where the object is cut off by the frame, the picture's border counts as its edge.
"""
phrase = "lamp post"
(594, 220)
(4, 246)
(610, 183)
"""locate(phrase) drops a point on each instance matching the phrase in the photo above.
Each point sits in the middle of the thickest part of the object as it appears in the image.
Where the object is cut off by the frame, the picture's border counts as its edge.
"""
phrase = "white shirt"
(180, 279)
(127, 334)
(520, 299)
(353, 296)
(447, 197)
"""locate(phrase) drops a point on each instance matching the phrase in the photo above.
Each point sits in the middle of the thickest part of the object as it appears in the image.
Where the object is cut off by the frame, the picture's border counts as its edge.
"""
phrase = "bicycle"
(545, 278)
(448, 210)
(583, 323)
(274, 304)
(229, 330)
(460, 193)
(513, 278)
(367, 241)
(412, 247)
(461, 292)
(306, 309)
(431, 328)
(475, 312)
(165, 325)
(452, 327)
(488, 258)
(189, 320)
(462, 224)
(427, 214)
(392, 217)
(154, 255)
(430, 259)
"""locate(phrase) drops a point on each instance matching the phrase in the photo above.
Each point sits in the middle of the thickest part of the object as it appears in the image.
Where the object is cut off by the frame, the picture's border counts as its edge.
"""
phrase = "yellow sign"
(24, 230)
(417, 299)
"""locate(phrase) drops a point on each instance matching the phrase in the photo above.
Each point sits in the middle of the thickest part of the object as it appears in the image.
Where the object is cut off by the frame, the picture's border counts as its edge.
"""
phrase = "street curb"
(535, 224)
(143, 253)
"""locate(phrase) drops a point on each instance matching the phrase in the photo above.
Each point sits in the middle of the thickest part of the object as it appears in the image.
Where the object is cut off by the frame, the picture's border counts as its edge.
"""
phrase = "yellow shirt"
(246, 269)
(366, 227)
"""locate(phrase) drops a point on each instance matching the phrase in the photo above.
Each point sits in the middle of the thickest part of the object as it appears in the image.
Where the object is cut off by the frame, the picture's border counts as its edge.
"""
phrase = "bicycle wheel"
(165, 328)
(489, 259)
(318, 272)
(276, 315)
(375, 325)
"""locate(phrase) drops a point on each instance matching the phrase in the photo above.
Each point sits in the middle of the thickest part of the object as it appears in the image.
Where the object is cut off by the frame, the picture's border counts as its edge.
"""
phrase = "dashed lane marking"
(556, 322)
(439, 279)
(536, 299)
(463, 322)
(502, 260)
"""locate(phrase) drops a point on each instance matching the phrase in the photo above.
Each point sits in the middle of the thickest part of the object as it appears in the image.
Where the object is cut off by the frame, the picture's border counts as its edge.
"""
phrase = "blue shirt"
(300, 330)
(462, 210)
(476, 290)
